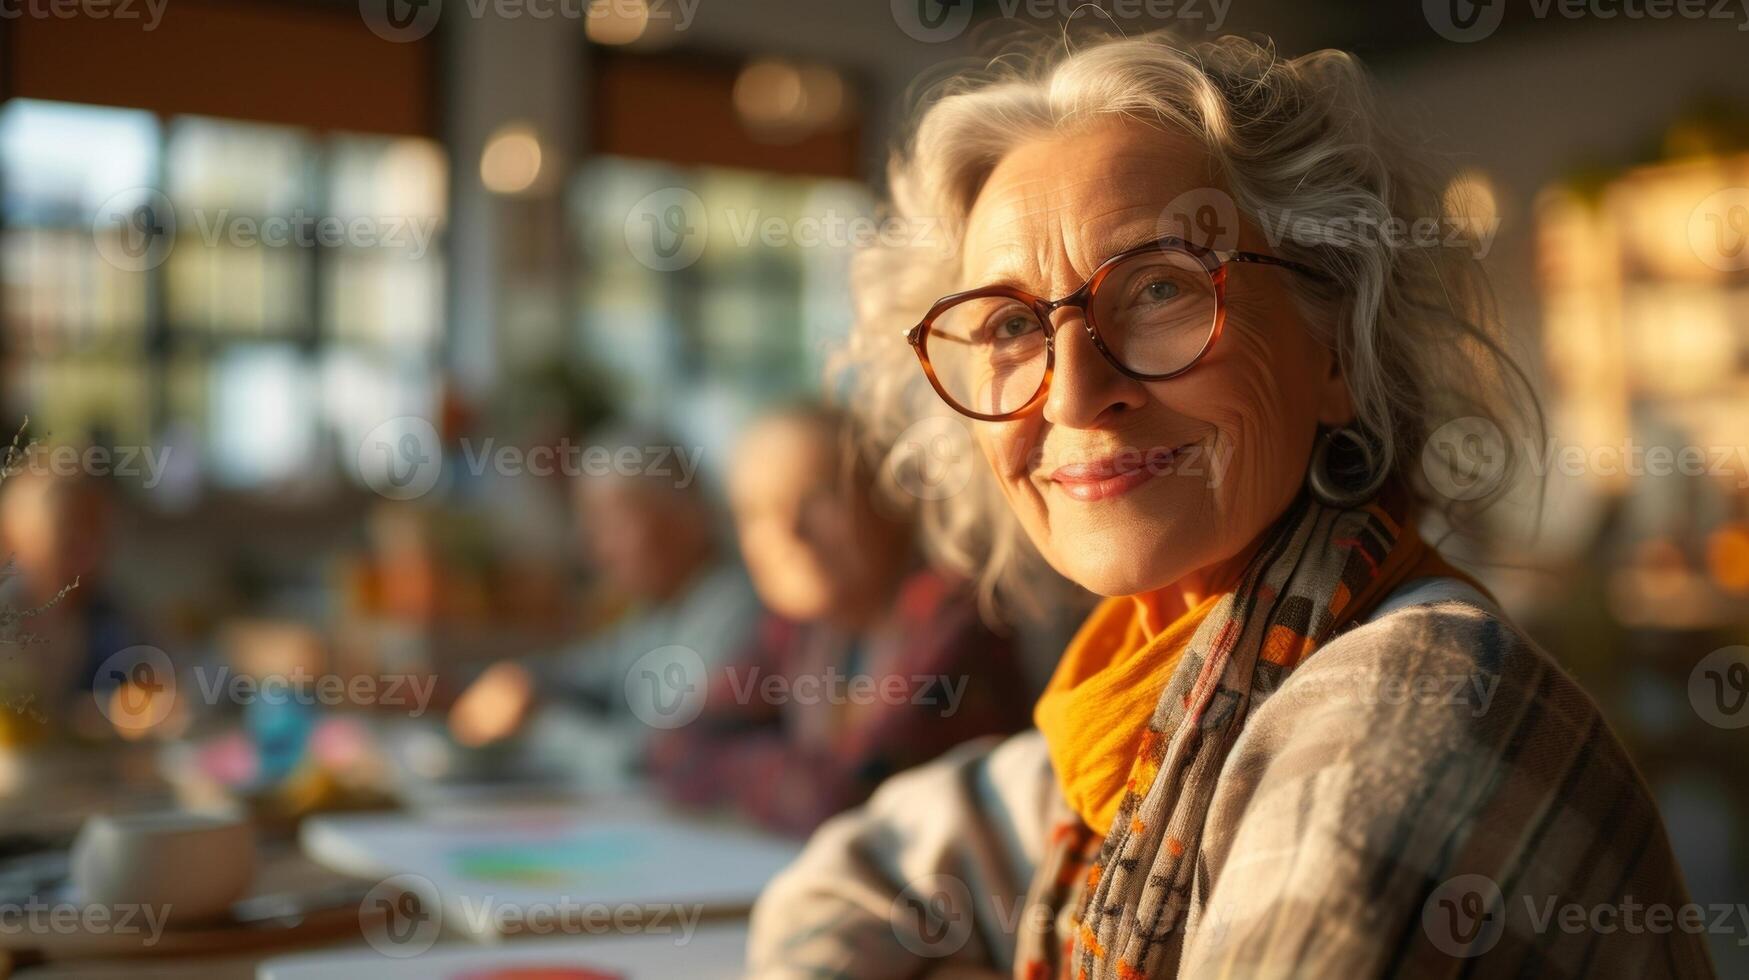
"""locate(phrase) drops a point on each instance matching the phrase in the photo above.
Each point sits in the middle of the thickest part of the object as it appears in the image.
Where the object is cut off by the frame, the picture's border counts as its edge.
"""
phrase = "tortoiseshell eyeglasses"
(1152, 311)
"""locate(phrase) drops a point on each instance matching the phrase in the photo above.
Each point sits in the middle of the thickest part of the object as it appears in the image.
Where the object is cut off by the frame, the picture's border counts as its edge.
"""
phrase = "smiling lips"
(1102, 479)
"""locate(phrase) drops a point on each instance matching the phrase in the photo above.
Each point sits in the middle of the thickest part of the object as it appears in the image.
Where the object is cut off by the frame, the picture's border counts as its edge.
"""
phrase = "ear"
(1335, 404)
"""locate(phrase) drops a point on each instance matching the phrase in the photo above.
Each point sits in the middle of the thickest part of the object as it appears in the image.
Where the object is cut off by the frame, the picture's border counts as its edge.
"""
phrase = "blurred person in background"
(652, 536)
(56, 530)
(868, 662)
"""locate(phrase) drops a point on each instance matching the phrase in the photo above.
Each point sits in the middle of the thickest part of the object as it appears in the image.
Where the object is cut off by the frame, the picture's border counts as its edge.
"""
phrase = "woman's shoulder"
(1440, 672)
(1431, 746)
(1424, 632)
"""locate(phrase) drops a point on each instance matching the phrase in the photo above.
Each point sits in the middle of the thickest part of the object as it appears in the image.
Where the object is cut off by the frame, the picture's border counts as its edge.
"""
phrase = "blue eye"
(1010, 324)
(1159, 290)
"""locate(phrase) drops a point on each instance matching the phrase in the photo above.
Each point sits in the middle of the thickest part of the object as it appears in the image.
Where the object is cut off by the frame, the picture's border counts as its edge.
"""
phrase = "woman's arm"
(931, 875)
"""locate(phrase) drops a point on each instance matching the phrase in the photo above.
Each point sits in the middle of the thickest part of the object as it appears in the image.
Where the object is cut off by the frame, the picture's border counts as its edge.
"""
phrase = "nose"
(1086, 389)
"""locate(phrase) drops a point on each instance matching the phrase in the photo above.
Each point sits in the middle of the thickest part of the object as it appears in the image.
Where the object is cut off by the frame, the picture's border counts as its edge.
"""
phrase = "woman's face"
(1128, 486)
(792, 521)
(814, 549)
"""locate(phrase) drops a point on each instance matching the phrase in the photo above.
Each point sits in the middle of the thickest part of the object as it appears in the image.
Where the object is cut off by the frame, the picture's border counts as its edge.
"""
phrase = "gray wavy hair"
(1300, 144)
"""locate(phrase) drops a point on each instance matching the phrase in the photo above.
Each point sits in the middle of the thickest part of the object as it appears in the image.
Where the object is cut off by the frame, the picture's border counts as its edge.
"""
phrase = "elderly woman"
(913, 669)
(1292, 740)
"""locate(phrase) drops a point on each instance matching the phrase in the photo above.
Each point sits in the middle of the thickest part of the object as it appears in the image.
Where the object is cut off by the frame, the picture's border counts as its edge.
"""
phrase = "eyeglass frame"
(1214, 262)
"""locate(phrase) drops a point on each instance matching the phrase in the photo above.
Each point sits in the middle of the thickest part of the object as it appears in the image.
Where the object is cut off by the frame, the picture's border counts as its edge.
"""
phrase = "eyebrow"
(1009, 280)
(1140, 239)
(1134, 241)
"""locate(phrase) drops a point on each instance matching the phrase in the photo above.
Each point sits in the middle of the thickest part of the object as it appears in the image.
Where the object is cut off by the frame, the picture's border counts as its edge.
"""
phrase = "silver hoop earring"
(1345, 470)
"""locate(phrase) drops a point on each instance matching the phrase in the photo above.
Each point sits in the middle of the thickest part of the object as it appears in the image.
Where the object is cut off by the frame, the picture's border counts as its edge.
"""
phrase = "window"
(1645, 292)
(745, 322)
(296, 294)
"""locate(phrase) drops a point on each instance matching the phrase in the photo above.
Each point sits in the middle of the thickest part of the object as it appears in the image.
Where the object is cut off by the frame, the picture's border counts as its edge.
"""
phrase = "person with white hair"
(1166, 299)
(595, 706)
(867, 663)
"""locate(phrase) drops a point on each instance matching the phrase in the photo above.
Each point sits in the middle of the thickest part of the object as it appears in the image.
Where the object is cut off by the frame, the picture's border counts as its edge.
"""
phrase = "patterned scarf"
(1121, 899)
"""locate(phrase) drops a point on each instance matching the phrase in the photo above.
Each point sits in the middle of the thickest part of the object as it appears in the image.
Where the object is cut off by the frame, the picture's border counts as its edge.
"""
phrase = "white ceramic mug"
(191, 864)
